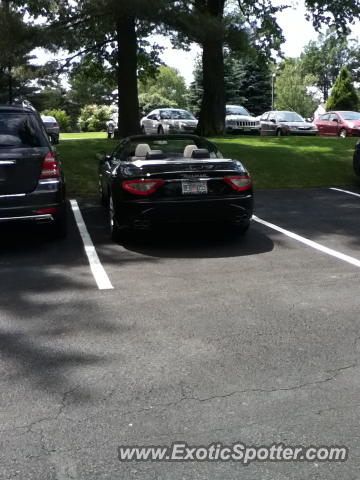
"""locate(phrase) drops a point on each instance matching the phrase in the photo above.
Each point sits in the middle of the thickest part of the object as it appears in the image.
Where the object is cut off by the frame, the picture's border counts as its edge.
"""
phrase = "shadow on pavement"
(174, 240)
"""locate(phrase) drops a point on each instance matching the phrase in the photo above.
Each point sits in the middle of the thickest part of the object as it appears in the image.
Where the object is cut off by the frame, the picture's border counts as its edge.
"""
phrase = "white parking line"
(97, 269)
(310, 243)
(345, 191)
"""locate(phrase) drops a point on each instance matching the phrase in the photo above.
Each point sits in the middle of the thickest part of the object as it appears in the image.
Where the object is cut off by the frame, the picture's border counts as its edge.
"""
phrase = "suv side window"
(272, 117)
(264, 116)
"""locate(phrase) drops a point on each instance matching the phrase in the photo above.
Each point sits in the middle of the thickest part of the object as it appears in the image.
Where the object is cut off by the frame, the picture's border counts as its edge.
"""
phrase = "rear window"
(48, 119)
(20, 130)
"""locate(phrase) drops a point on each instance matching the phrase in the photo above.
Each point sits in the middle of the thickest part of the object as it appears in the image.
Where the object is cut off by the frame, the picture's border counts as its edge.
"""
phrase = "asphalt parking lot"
(205, 337)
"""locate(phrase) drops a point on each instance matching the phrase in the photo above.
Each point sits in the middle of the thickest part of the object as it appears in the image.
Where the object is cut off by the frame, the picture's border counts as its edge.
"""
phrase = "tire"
(161, 130)
(342, 133)
(104, 196)
(58, 229)
(116, 232)
(356, 162)
(240, 229)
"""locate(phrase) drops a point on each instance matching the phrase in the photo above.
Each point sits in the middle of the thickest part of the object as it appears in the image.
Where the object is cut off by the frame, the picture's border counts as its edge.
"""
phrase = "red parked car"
(338, 124)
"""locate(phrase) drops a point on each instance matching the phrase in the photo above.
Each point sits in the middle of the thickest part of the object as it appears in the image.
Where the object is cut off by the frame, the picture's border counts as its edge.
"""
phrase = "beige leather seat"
(142, 150)
(189, 150)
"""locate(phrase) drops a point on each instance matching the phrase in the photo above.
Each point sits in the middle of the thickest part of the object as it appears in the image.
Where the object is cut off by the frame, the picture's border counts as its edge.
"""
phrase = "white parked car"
(239, 120)
(168, 120)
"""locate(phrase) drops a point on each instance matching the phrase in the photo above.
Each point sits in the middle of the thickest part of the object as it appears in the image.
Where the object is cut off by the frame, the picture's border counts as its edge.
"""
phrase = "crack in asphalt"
(30, 427)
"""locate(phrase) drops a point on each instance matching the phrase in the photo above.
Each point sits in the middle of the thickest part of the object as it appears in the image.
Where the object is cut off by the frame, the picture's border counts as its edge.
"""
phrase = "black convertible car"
(173, 178)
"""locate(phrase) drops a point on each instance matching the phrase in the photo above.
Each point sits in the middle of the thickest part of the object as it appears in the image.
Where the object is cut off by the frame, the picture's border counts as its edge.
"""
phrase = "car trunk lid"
(20, 169)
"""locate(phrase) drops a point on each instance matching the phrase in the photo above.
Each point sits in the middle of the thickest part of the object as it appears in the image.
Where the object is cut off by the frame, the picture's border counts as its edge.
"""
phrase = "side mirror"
(335, 120)
(272, 120)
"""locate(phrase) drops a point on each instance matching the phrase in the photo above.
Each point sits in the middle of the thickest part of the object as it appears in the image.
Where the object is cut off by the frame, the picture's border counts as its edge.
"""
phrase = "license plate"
(194, 188)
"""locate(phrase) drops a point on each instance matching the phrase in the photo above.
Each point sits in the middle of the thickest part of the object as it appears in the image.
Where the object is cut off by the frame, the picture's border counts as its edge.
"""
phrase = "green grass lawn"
(285, 162)
(82, 136)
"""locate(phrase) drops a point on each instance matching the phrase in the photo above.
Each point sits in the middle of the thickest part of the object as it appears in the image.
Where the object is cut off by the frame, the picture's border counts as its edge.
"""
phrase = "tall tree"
(17, 40)
(343, 94)
(291, 89)
(325, 57)
(166, 83)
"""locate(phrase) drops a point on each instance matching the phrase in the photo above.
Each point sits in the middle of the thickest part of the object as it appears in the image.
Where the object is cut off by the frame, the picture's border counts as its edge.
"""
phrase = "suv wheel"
(115, 231)
(356, 162)
(58, 229)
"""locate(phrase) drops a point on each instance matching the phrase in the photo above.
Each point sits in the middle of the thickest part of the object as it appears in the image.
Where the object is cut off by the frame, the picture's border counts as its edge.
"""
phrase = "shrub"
(93, 118)
(62, 118)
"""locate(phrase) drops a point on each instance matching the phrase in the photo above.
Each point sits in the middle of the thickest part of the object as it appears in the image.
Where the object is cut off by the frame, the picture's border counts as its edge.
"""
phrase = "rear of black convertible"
(161, 189)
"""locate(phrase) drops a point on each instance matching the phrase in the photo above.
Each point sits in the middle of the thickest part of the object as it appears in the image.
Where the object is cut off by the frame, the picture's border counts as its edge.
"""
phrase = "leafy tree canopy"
(291, 89)
(167, 84)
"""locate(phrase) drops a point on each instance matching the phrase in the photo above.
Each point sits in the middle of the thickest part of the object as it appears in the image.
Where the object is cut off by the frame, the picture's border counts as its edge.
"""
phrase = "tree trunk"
(10, 84)
(212, 110)
(128, 102)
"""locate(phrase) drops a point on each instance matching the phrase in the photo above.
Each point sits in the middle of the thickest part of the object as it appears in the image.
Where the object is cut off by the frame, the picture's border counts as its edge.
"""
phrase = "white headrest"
(142, 149)
(189, 150)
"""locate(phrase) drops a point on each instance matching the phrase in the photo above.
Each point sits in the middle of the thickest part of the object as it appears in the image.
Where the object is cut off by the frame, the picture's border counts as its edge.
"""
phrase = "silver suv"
(239, 120)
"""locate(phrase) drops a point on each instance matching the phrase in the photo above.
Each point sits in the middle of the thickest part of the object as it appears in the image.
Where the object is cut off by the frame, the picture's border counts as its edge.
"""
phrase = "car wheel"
(356, 162)
(104, 196)
(342, 133)
(161, 130)
(240, 228)
(279, 132)
(58, 228)
(116, 232)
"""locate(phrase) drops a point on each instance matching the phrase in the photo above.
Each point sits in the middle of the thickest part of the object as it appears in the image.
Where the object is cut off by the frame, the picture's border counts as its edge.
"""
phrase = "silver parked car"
(52, 128)
(168, 120)
(285, 123)
(239, 120)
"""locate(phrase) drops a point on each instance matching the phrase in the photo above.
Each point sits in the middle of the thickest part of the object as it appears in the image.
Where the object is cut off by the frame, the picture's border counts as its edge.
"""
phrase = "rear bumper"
(48, 196)
(301, 133)
(142, 214)
(244, 130)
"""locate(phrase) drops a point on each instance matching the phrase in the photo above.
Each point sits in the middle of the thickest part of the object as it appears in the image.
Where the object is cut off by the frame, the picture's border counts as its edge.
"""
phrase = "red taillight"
(44, 211)
(50, 167)
(239, 182)
(142, 187)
